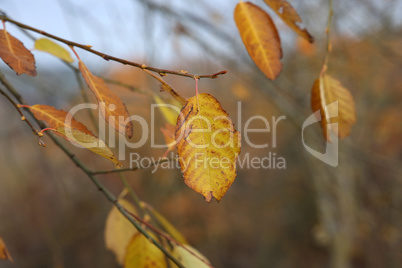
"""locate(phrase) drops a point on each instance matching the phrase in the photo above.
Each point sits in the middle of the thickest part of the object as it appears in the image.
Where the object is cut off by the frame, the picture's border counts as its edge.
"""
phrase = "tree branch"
(109, 57)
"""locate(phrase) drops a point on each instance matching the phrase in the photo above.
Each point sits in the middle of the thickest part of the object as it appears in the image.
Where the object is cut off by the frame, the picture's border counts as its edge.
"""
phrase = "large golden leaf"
(57, 118)
(90, 142)
(13, 52)
(260, 38)
(111, 106)
(326, 91)
(208, 146)
(119, 231)
(4, 254)
(142, 253)
(289, 15)
(51, 47)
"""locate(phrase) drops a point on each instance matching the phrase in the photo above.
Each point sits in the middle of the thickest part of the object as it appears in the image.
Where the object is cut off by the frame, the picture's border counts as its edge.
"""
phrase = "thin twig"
(109, 57)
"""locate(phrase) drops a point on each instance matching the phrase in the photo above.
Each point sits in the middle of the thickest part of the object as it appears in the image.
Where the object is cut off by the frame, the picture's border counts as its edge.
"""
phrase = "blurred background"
(306, 215)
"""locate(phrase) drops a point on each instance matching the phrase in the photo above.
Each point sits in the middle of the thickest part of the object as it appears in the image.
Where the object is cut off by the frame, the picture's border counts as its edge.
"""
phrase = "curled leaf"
(168, 131)
(111, 106)
(90, 142)
(51, 47)
(15, 55)
(260, 38)
(208, 146)
(290, 16)
(336, 118)
(4, 254)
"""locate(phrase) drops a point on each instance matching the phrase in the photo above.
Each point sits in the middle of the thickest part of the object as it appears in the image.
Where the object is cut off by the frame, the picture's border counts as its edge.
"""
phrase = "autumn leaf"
(141, 253)
(90, 142)
(119, 231)
(111, 106)
(190, 257)
(168, 131)
(51, 47)
(73, 131)
(15, 55)
(327, 90)
(208, 146)
(169, 113)
(57, 118)
(290, 16)
(260, 38)
(4, 254)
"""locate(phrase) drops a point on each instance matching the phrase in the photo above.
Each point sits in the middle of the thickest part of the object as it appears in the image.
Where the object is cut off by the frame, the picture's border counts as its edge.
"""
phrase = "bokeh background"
(307, 215)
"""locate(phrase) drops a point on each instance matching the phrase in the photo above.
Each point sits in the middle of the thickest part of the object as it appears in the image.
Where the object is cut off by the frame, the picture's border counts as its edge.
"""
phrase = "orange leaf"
(168, 131)
(81, 136)
(327, 90)
(4, 254)
(289, 15)
(17, 57)
(260, 38)
(57, 118)
(111, 106)
(208, 146)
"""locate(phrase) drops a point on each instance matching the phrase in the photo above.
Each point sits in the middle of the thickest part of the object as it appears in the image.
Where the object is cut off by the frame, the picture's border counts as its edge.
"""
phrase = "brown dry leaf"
(119, 230)
(57, 118)
(4, 254)
(327, 90)
(289, 15)
(260, 38)
(208, 146)
(142, 253)
(168, 131)
(111, 106)
(15, 55)
(89, 142)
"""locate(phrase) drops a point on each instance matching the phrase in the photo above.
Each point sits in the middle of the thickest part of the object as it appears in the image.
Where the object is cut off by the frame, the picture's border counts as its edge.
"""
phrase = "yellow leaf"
(188, 259)
(327, 90)
(111, 106)
(15, 55)
(208, 146)
(119, 231)
(289, 15)
(167, 226)
(51, 47)
(90, 142)
(260, 38)
(169, 113)
(141, 253)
